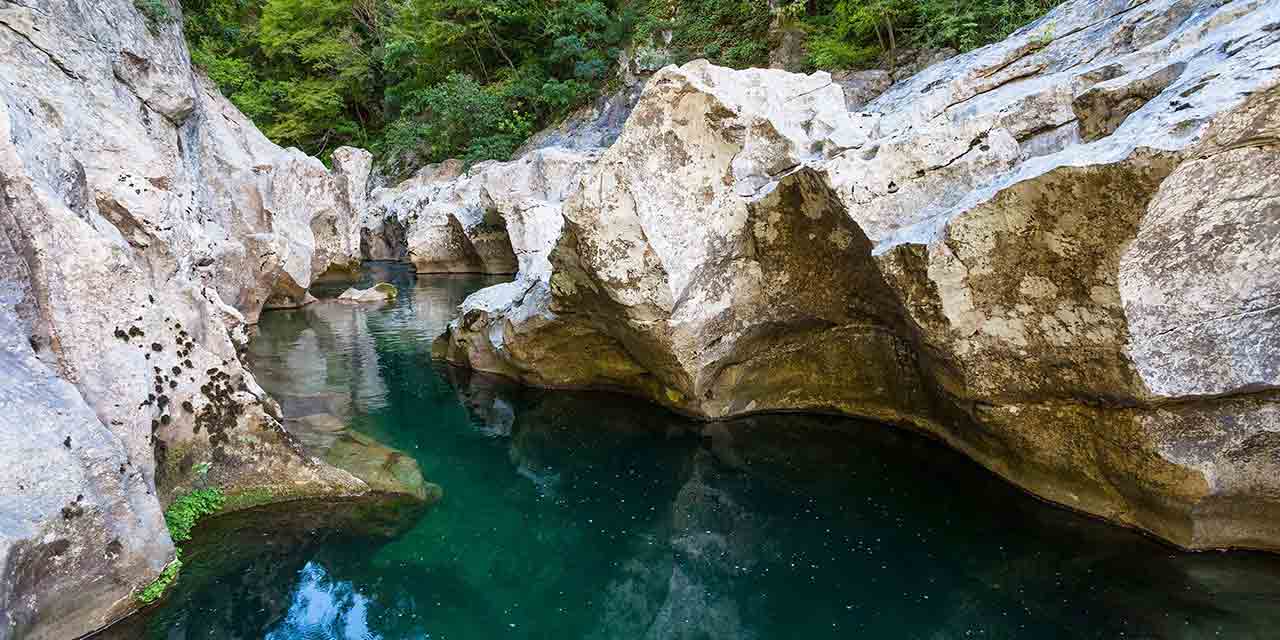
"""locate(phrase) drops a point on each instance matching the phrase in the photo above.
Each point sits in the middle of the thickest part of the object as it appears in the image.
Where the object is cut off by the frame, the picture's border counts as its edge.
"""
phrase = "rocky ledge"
(145, 224)
(1060, 254)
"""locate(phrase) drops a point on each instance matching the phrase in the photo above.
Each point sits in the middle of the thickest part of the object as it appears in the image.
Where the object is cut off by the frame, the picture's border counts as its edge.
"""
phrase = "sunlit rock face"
(145, 223)
(453, 218)
(1057, 253)
(484, 219)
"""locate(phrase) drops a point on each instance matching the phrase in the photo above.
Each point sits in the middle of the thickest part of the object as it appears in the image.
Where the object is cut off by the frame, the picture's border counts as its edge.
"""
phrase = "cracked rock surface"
(1059, 253)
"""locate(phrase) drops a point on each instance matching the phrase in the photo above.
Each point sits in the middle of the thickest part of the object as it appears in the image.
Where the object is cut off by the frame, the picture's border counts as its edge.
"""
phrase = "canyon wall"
(146, 223)
(1059, 253)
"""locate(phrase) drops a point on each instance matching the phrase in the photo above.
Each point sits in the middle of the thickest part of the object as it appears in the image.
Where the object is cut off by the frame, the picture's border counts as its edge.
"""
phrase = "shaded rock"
(861, 87)
(480, 220)
(905, 62)
(594, 126)
(787, 39)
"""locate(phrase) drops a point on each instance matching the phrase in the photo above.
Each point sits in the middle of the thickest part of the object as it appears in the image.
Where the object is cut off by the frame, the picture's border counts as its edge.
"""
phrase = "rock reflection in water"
(784, 526)
(589, 515)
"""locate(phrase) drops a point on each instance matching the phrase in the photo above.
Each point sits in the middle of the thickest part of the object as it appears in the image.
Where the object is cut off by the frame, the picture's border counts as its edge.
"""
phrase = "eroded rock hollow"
(1058, 253)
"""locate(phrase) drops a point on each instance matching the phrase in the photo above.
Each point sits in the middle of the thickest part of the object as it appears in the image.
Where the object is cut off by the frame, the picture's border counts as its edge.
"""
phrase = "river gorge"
(984, 346)
(592, 515)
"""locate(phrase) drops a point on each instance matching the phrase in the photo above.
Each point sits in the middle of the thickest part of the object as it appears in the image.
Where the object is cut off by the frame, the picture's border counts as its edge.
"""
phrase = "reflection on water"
(586, 515)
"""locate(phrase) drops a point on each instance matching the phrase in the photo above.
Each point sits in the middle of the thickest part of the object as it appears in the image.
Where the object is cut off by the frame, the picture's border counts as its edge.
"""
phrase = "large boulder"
(146, 223)
(1056, 253)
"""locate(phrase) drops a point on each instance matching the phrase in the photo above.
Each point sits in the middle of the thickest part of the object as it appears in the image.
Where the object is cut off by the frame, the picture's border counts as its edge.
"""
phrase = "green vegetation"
(249, 498)
(155, 11)
(857, 33)
(162, 582)
(419, 81)
(731, 33)
(413, 80)
(181, 517)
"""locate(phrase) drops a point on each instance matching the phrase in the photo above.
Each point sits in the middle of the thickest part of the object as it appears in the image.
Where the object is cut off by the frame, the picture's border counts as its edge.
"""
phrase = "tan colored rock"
(381, 292)
(1054, 253)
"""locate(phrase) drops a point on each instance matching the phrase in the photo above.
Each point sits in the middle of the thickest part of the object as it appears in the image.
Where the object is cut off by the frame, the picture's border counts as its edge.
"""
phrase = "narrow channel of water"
(587, 515)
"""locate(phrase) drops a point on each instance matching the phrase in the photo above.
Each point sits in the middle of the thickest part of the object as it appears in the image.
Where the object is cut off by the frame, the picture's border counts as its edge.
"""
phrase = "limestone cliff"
(145, 223)
(1058, 253)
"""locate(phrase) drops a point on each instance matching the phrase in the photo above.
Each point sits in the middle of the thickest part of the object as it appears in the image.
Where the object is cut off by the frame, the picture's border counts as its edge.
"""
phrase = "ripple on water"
(587, 515)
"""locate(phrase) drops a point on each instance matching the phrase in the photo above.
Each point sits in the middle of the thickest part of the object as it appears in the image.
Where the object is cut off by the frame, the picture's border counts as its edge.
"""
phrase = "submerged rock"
(1054, 253)
(381, 292)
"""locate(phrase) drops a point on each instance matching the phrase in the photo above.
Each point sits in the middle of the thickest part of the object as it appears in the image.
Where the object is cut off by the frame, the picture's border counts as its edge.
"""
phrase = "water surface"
(587, 515)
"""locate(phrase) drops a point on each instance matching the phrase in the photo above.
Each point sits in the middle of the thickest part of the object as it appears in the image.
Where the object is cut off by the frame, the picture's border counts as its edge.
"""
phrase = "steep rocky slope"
(145, 223)
(1058, 253)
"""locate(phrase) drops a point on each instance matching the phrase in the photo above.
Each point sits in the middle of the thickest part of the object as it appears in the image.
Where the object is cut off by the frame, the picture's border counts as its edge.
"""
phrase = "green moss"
(249, 498)
(162, 582)
(387, 289)
(182, 515)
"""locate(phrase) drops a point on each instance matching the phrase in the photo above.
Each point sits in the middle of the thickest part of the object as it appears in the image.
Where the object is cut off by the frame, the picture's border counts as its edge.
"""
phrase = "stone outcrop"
(1057, 253)
(145, 224)
(450, 218)
(493, 218)
(381, 292)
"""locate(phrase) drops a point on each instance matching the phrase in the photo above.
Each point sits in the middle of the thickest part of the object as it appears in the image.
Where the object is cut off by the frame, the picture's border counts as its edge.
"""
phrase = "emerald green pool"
(587, 515)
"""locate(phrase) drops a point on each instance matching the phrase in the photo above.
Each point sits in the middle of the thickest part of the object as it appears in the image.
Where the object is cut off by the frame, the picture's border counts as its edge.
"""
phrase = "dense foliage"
(413, 80)
(423, 80)
(855, 33)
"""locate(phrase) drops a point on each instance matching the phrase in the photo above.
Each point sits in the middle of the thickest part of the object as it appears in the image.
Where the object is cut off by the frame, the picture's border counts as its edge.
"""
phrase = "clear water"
(587, 515)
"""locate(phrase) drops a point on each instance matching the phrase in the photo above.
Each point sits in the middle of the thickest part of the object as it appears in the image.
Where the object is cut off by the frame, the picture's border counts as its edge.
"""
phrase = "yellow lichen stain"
(674, 396)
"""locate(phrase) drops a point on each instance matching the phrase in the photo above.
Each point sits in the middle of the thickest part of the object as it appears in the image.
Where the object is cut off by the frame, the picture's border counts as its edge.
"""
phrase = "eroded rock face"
(494, 217)
(145, 224)
(1056, 253)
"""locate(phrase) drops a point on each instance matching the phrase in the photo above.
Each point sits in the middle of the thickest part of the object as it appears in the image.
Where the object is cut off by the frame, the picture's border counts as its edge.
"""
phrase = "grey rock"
(146, 223)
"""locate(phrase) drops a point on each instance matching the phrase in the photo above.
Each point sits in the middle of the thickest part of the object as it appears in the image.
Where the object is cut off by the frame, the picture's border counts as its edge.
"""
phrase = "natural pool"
(586, 515)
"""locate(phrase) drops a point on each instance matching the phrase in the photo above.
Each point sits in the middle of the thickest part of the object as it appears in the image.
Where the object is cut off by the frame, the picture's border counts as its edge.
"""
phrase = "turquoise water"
(587, 515)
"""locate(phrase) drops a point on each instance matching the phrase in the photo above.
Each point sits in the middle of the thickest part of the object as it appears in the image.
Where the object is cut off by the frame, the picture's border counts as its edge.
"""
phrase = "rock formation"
(1057, 253)
(381, 292)
(449, 218)
(145, 223)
